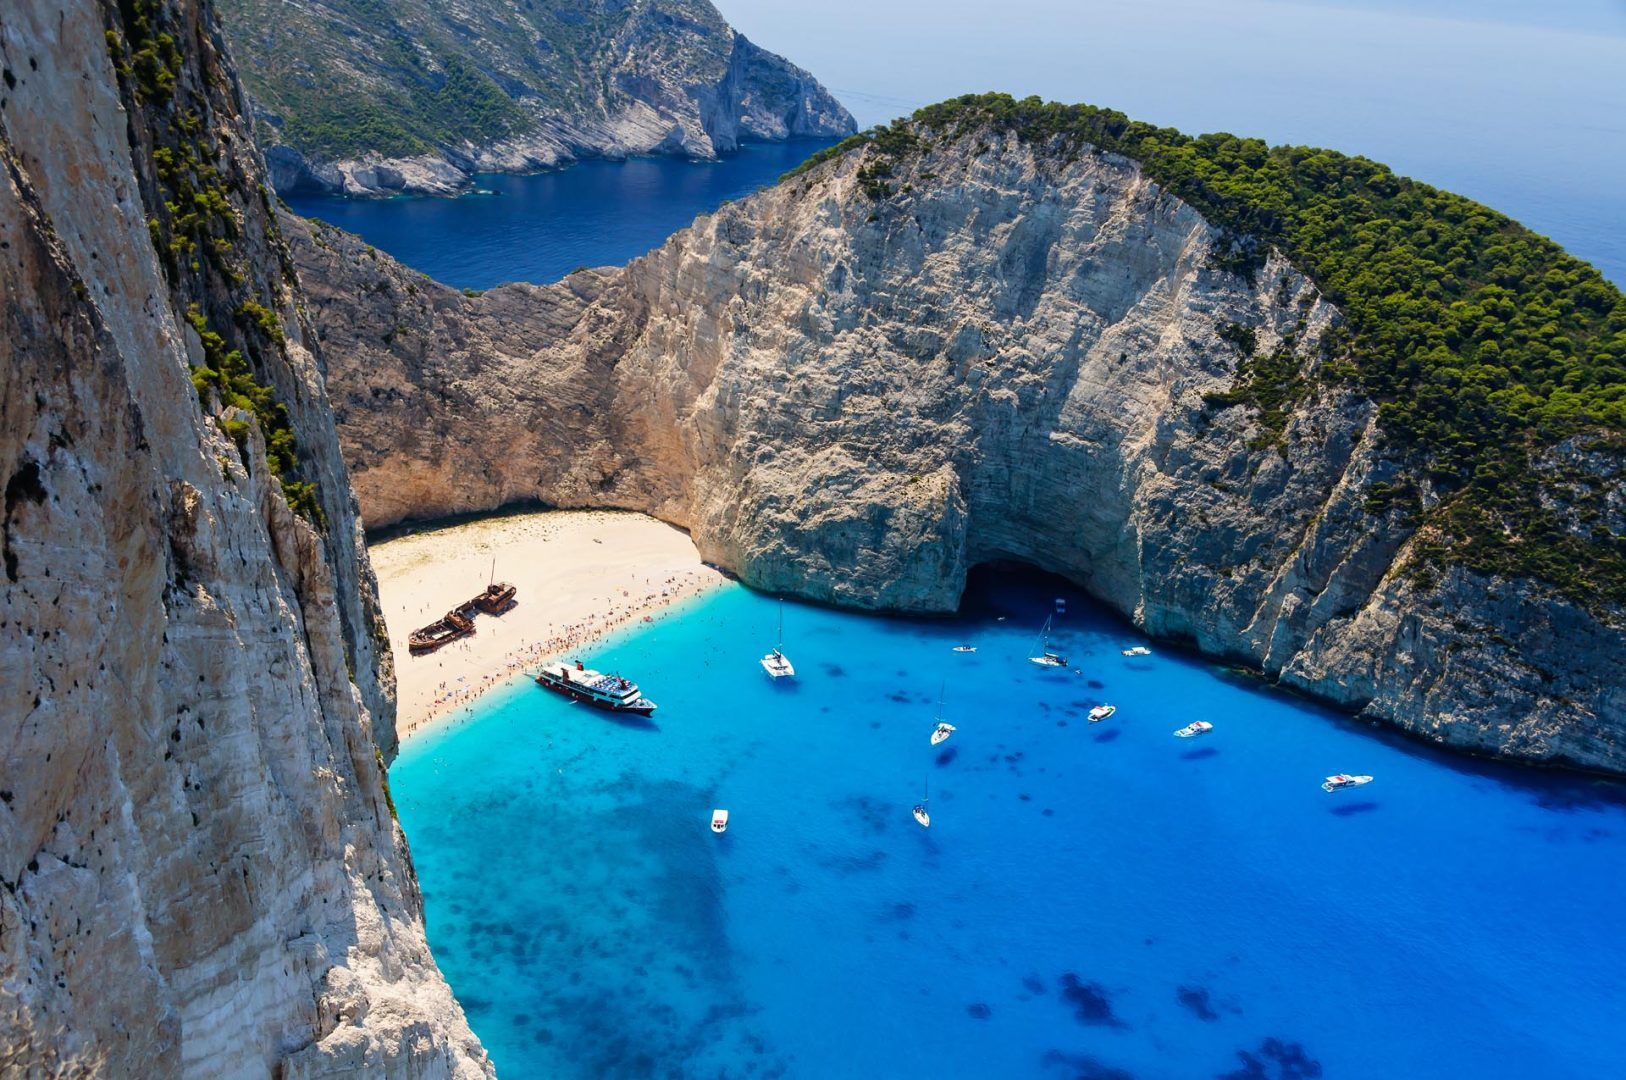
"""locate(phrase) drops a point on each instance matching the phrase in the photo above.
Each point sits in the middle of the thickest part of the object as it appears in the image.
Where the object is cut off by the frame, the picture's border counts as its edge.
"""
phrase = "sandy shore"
(579, 573)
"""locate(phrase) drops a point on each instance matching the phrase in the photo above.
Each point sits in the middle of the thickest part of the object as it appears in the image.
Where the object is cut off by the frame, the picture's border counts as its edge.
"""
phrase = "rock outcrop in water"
(1013, 355)
(413, 96)
(200, 870)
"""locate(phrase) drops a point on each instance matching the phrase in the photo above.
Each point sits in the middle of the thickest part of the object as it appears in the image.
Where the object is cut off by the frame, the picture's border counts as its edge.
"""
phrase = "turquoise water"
(539, 228)
(1092, 900)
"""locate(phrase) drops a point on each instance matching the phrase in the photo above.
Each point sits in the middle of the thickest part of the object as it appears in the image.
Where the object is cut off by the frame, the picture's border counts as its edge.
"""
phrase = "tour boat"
(776, 663)
(1196, 727)
(1344, 780)
(1047, 657)
(965, 648)
(1101, 712)
(719, 821)
(1138, 650)
(609, 692)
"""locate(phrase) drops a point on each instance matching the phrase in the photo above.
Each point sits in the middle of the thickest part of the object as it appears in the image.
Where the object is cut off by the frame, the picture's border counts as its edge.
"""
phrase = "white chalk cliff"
(200, 870)
(858, 400)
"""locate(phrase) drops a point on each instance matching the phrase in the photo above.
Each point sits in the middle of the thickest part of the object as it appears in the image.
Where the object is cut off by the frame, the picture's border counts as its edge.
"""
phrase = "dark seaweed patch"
(1033, 984)
(978, 1011)
(1085, 1067)
(1276, 1059)
(835, 671)
(1195, 1000)
(1090, 1003)
(1096, 684)
(947, 755)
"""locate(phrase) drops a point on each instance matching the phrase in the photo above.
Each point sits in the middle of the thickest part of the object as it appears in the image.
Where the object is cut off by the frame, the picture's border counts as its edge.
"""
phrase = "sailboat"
(776, 663)
(943, 729)
(921, 816)
(1047, 657)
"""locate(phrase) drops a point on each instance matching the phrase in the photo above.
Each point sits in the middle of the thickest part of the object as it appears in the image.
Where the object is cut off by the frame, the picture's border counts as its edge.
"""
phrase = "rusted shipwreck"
(457, 623)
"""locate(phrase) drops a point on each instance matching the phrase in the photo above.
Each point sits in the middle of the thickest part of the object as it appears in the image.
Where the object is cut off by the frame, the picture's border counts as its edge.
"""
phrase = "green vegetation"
(1485, 344)
(194, 230)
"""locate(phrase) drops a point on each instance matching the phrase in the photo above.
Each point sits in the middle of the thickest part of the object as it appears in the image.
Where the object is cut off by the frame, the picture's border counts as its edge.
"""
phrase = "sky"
(1520, 105)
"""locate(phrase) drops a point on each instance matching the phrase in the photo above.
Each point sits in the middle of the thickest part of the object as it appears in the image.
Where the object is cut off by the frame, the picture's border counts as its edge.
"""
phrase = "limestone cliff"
(1015, 354)
(200, 870)
(369, 99)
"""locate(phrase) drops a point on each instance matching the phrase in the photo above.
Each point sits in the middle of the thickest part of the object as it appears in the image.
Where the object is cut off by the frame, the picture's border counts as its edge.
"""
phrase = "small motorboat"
(1138, 650)
(1344, 780)
(1196, 727)
(1101, 712)
(965, 648)
(941, 732)
(719, 821)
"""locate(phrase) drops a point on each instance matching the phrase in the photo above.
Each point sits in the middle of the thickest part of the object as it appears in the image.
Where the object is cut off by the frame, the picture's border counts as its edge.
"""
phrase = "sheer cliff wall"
(200, 871)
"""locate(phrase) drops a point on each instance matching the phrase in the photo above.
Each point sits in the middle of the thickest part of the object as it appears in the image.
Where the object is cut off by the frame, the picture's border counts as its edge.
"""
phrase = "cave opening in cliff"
(1018, 590)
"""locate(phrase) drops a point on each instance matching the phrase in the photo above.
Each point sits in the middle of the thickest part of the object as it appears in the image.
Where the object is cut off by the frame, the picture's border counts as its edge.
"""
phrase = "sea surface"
(539, 228)
(1092, 900)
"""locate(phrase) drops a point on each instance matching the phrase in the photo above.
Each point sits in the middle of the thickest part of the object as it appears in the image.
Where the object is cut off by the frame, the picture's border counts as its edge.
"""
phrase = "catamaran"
(1344, 780)
(609, 692)
(921, 816)
(1196, 727)
(1047, 657)
(776, 663)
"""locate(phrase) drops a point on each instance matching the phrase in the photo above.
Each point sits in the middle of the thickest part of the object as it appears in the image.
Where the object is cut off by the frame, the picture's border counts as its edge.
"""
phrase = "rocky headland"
(200, 869)
(958, 342)
(359, 98)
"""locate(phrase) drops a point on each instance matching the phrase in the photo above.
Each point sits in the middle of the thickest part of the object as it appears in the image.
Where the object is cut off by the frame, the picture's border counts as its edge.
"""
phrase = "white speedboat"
(719, 821)
(1047, 657)
(1344, 780)
(941, 732)
(1196, 727)
(1138, 650)
(1101, 712)
(776, 663)
(965, 648)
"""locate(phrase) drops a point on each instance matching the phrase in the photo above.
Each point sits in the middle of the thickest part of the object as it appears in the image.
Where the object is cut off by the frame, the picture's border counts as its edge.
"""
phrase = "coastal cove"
(539, 227)
(1088, 896)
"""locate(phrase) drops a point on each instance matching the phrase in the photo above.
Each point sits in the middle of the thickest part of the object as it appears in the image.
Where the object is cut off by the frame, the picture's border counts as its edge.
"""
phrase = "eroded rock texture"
(200, 871)
(858, 399)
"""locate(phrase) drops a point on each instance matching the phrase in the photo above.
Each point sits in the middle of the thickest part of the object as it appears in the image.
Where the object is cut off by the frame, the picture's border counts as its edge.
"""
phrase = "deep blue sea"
(539, 228)
(1092, 900)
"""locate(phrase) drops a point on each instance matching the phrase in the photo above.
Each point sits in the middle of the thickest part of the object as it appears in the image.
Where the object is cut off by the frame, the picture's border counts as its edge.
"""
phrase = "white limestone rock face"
(1011, 356)
(200, 871)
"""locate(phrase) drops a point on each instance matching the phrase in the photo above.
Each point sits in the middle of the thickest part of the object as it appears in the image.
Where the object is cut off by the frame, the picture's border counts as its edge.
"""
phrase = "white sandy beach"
(579, 573)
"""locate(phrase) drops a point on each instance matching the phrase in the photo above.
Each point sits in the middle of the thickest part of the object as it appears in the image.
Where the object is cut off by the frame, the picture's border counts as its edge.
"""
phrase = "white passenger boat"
(1138, 650)
(609, 692)
(965, 648)
(1344, 780)
(1101, 712)
(719, 821)
(776, 663)
(1196, 727)
(1047, 657)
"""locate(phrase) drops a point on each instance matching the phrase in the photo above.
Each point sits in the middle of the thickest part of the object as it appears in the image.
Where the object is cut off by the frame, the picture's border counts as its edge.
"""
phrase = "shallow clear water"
(539, 228)
(1089, 898)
